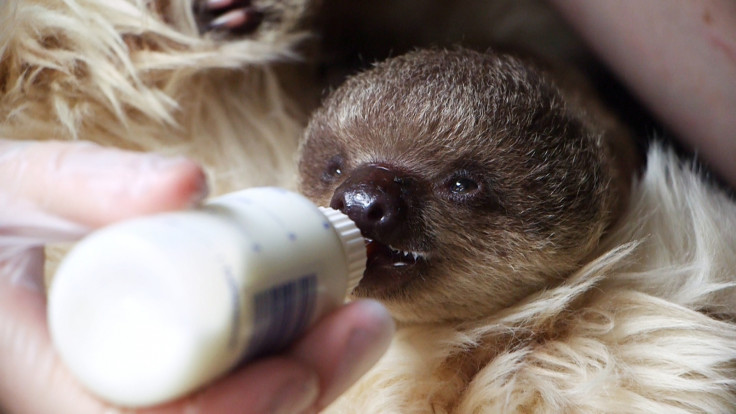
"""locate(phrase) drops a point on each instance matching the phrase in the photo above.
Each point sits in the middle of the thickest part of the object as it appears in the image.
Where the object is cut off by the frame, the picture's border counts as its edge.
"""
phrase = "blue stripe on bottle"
(281, 314)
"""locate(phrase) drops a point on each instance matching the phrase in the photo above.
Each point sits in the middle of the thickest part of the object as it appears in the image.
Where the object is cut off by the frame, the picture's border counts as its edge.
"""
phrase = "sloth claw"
(223, 4)
(232, 16)
(239, 21)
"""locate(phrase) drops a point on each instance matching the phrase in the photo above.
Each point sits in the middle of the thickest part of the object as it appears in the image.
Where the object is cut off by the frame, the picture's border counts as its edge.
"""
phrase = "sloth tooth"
(414, 255)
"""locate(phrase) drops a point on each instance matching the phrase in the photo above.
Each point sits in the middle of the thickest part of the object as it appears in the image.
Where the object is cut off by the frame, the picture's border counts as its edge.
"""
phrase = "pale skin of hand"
(679, 57)
(71, 188)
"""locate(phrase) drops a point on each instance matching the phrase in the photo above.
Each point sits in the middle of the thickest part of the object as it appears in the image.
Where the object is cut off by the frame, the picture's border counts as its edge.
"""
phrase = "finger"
(345, 345)
(331, 357)
(32, 378)
(30, 365)
(90, 185)
(272, 385)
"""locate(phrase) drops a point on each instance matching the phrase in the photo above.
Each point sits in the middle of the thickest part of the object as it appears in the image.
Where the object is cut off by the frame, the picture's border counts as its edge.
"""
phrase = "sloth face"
(473, 181)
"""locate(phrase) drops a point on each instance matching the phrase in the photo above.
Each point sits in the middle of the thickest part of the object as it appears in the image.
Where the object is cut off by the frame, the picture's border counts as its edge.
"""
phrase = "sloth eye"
(463, 186)
(334, 168)
(473, 188)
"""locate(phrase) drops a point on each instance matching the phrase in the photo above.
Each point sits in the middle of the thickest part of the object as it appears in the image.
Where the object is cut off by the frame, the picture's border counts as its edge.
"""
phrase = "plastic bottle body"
(147, 310)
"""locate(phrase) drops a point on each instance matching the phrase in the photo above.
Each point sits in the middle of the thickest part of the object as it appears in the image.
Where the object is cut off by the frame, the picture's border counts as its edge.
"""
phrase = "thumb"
(53, 191)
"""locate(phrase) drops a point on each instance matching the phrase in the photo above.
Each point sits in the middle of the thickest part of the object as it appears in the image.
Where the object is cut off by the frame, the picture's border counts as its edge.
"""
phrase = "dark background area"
(353, 34)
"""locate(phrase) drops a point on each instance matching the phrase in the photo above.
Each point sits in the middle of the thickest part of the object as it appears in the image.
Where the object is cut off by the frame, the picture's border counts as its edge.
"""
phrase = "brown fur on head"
(476, 180)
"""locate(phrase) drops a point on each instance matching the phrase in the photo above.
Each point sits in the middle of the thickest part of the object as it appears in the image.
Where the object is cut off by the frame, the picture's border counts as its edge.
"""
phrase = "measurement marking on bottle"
(280, 314)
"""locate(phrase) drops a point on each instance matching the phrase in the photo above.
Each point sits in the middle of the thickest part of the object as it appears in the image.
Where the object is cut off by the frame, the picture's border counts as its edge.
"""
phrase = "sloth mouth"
(389, 268)
(387, 255)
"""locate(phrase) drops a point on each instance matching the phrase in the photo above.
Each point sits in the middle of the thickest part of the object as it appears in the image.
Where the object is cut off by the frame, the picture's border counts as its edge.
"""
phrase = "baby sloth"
(476, 179)
(530, 271)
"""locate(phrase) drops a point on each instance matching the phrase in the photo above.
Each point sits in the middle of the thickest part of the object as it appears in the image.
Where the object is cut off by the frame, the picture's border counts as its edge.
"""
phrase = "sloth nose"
(372, 196)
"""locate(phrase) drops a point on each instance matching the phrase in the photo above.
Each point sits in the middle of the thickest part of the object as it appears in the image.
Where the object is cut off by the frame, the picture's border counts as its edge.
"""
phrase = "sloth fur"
(645, 326)
(138, 75)
(550, 297)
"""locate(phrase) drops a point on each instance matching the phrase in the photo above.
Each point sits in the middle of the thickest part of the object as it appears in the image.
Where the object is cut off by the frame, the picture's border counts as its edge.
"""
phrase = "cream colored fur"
(648, 326)
(136, 74)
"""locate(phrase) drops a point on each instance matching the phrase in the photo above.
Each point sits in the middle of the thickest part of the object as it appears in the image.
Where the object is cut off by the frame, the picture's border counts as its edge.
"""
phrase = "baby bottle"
(149, 309)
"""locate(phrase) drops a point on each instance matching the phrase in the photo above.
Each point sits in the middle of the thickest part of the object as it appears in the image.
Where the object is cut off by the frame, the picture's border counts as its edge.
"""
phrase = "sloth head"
(474, 180)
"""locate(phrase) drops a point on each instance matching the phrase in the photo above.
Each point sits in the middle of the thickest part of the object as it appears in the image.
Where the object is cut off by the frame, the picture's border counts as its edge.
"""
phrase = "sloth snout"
(372, 197)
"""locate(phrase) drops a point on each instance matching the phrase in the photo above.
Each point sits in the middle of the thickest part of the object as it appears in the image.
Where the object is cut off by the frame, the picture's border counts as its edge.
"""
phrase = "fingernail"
(200, 189)
(154, 168)
(296, 396)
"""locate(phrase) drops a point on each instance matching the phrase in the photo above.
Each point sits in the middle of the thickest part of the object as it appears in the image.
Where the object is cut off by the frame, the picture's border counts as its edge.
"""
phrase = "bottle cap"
(353, 244)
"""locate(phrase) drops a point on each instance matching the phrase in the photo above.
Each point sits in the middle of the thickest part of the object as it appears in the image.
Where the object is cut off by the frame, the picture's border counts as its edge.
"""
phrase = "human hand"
(679, 57)
(55, 191)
